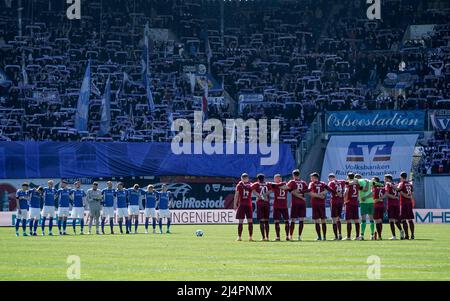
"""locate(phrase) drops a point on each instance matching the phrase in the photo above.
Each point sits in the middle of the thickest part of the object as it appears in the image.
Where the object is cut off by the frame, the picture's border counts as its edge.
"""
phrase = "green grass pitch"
(217, 256)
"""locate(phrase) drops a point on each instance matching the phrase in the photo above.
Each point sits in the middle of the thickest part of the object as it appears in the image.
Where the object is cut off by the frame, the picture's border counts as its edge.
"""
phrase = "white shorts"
(48, 211)
(22, 215)
(122, 212)
(133, 210)
(77, 212)
(108, 212)
(150, 212)
(164, 213)
(34, 213)
(63, 211)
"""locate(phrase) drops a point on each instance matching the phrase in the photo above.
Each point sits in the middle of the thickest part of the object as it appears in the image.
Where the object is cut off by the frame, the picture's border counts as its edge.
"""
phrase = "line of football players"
(359, 199)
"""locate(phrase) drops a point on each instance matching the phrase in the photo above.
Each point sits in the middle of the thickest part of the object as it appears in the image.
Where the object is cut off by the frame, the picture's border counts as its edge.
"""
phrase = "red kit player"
(298, 189)
(318, 191)
(243, 206)
(280, 210)
(378, 194)
(337, 202)
(405, 188)
(351, 205)
(393, 206)
(262, 205)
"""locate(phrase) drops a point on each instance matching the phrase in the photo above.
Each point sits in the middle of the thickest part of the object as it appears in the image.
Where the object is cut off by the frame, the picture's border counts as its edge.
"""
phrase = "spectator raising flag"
(105, 122)
(145, 62)
(205, 101)
(81, 118)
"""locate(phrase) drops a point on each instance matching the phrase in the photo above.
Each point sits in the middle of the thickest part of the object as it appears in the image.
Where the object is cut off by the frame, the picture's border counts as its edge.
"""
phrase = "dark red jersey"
(390, 188)
(318, 187)
(280, 195)
(338, 187)
(261, 188)
(352, 190)
(245, 196)
(407, 188)
(301, 187)
(378, 194)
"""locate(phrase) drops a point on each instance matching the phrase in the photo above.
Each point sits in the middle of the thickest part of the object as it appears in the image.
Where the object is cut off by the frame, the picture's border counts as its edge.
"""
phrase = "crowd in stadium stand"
(302, 56)
(436, 155)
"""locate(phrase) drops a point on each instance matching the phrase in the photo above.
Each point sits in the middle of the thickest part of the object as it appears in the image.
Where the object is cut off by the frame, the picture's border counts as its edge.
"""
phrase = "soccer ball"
(199, 233)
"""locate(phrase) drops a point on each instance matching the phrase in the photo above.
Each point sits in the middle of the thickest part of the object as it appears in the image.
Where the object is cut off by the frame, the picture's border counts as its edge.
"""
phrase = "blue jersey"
(23, 199)
(64, 197)
(134, 196)
(35, 198)
(121, 198)
(150, 199)
(164, 198)
(49, 196)
(108, 197)
(78, 195)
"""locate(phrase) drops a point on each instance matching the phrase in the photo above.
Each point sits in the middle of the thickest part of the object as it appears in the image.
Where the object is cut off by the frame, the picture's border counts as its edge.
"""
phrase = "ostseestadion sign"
(382, 120)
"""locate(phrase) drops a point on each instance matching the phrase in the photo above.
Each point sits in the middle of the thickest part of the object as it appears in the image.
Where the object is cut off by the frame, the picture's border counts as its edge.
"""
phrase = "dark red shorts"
(351, 212)
(280, 214)
(378, 212)
(394, 212)
(406, 211)
(243, 212)
(336, 209)
(318, 211)
(263, 210)
(298, 210)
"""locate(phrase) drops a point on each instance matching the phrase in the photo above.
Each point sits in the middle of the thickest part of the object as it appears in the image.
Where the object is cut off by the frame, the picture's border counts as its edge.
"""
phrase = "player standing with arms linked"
(79, 202)
(134, 200)
(280, 209)
(63, 207)
(378, 193)
(318, 191)
(49, 207)
(108, 206)
(261, 191)
(393, 206)
(405, 188)
(243, 206)
(150, 207)
(351, 206)
(94, 197)
(336, 204)
(122, 207)
(34, 215)
(298, 189)
(366, 205)
(165, 201)
(22, 209)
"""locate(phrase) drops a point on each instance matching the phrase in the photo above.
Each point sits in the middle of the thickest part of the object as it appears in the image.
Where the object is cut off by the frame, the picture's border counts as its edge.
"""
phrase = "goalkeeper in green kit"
(366, 205)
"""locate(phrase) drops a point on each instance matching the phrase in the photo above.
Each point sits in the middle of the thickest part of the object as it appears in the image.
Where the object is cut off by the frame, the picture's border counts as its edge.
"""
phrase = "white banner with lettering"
(369, 155)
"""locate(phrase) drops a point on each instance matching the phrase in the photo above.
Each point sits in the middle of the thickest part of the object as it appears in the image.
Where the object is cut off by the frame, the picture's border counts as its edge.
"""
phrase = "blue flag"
(105, 121)
(81, 118)
(144, 62)
(4, 81)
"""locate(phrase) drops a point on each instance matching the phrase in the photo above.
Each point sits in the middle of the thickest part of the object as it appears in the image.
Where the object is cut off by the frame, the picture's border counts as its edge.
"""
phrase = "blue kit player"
(134, 199)
(108, 206)
(63, 195)
(151, 196)
(165, 197)
(22, 209)
(79, 201)
(49, 207)
(122, 207)
(34, 215)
